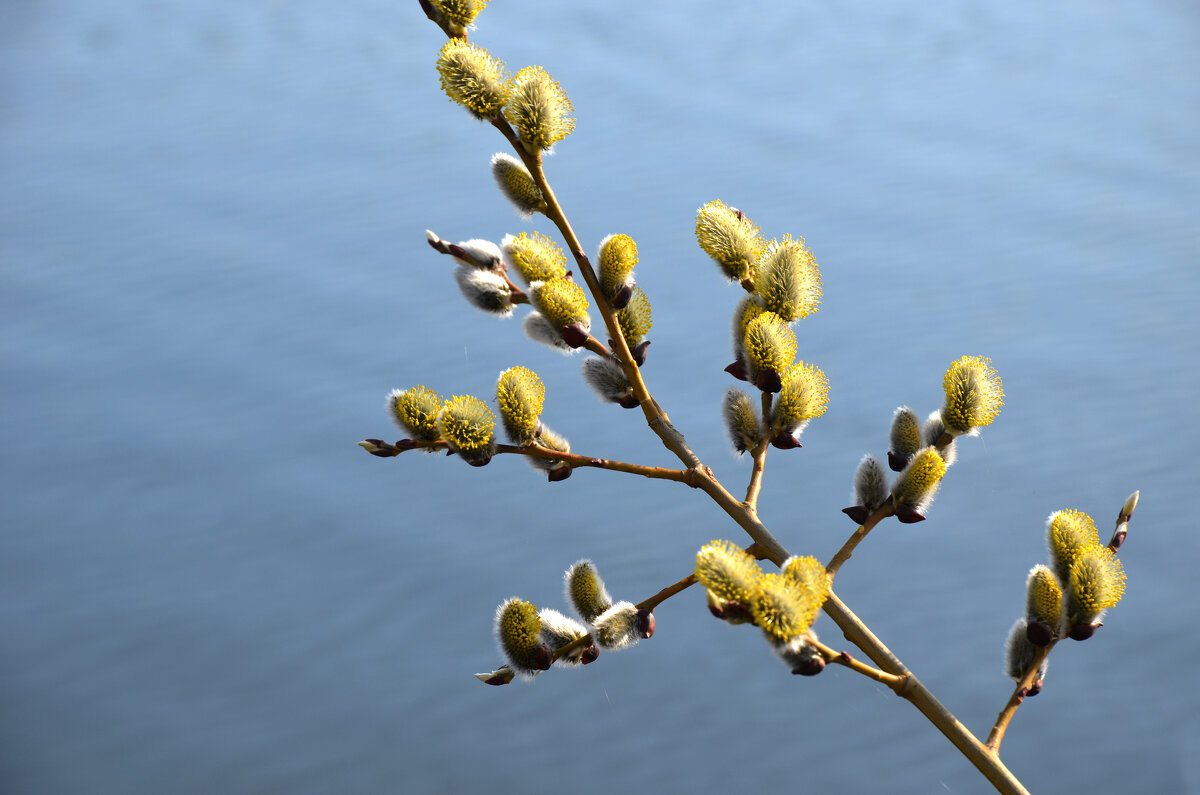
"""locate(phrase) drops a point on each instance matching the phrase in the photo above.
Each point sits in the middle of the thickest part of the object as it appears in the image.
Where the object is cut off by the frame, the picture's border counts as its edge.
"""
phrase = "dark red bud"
(404, 445)
(639, 352)
(897, 462)
(1039, 633)
(1117, 540)
(645, 623)
(628, 402)
(575, 335)
(497, 680)
(737, 370)
(810, 667)
(785, 441)
(768, 380)
(858, 513)
(384, 450)
(1083, 631)
(621, 299)
(589, 655)
(736, 611)
(1035, 688)
(908, 514)
(717, 611)
(558, 474)
(543, 660)
(480, 462)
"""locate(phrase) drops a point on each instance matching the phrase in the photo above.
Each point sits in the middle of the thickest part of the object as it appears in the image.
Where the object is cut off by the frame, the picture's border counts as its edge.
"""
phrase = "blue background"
(213, 270)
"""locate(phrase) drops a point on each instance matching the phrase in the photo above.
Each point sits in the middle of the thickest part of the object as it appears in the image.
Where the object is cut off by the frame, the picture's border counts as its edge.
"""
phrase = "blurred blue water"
(213, 270)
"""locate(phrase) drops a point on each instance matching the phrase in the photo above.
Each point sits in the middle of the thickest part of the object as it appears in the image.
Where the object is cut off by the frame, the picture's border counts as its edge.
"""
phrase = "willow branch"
(693, 478)
(656, 418)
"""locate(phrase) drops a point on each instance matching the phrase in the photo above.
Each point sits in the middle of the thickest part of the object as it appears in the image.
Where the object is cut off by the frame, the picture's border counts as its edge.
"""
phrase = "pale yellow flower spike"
(473, 78)
(732, 240)
(520, 394)
(538, 109)
(974, 395)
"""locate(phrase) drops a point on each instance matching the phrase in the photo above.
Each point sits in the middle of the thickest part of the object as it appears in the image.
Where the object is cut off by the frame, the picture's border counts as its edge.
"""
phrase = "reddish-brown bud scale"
(768, 380)
(737, 370)
(559, 474)
(589, 655)
(639, 352)
(1083, 631)
(858, 513)
(645, 623)
(575, 335)
(628, 402)
(1039, 633)
(810, 667)
(907, 514)
(545, 658)
(785, 441)
(621, 299)
(897, 462)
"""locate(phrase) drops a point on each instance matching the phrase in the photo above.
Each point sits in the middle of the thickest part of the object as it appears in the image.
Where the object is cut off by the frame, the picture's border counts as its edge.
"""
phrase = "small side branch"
(996, 736)
(759, 456)
(896, 683)
(843, 554)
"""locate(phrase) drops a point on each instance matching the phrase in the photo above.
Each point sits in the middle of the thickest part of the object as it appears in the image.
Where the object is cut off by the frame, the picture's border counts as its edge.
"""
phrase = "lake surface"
(213, 270)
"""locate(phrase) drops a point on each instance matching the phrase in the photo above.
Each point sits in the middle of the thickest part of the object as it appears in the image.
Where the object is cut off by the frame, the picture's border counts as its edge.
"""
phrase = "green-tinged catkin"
(741, 420)
(585, 590)
(520, 395)
(1069, 533)
(730, 239)
(459, 14)
(776, 607)
(607, 379)
(1097, 583)
(416, 410)
(561, 301)
(870, 483)
(769, 344)
(517, 185)
(804, 396)
(615, 262)
(538, 109)
(728, 572)
(535, 257)
(1019, 653)
(974, 395)
(918, 482)
(518, 631)
(469, 426)
(787, 279)
(747, 310)
(635, 317)
(809, 583)
(1044, 598)
(473, 78)
(905, 435)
